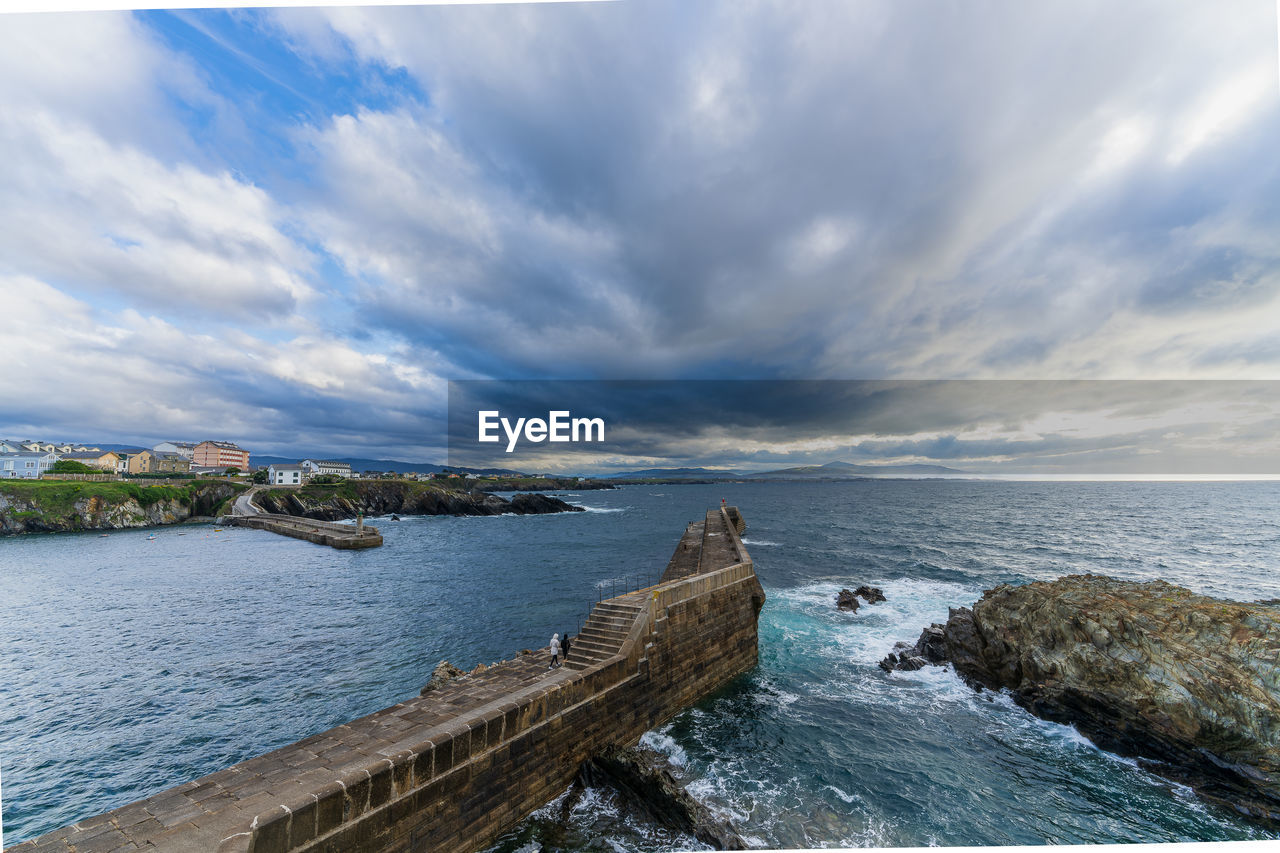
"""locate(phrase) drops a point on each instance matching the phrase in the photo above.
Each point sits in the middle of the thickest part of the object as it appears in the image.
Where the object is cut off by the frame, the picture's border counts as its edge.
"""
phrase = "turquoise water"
(132, 665)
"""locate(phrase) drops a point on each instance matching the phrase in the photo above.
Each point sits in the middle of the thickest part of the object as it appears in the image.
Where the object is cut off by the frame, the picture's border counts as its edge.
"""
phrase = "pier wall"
(455, 768)
(333, 534)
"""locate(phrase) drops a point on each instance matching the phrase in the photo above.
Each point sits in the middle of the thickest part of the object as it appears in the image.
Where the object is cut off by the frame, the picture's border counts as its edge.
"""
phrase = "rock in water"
(643, 777)
(870, 594)
(846, 600)
(1151, 670)
(535, 504)
(442, 674)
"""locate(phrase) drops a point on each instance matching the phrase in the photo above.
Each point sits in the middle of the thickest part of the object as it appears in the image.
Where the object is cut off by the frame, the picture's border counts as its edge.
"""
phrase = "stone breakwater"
(1188, 684)
(56, 507)
(454, 769)
(335, 503)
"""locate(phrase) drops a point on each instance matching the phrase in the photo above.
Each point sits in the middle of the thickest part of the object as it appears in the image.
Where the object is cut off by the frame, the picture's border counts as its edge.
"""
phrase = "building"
(124, 455)
(156, 462)
(312, 467)
(25, 464)
(284, 475)
(185, 449)
(220, 454)
(108, 461)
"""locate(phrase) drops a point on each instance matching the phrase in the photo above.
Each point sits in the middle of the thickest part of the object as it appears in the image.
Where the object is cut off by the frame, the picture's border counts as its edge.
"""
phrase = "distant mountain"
(850, 471)
(674, 473)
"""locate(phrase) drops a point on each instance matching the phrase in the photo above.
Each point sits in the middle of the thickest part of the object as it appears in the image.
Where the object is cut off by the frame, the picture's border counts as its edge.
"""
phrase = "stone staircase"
(604, 632)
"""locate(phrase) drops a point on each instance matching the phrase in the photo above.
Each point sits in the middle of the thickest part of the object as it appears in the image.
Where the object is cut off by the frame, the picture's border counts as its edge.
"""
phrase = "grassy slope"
(60, 496)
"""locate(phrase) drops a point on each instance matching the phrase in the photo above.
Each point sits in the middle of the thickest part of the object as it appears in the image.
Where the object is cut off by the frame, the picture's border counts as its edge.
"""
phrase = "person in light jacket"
(555, 651)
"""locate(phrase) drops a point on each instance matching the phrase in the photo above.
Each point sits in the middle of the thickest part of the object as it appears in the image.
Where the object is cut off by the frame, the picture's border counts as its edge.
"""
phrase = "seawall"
(341, 536)
(454, 769)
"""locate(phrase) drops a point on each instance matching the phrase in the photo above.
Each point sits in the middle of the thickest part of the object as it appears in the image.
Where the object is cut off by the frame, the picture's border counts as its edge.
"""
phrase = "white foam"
(665, 744)
(604, 508)
(762, 542)
(847, 797)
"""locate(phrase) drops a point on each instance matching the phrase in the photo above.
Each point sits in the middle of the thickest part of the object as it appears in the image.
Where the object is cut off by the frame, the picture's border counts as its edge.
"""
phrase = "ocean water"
(131, 665)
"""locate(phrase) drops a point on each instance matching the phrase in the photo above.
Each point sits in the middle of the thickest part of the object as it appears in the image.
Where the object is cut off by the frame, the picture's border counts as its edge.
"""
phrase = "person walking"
(568, 641)
(555, 651)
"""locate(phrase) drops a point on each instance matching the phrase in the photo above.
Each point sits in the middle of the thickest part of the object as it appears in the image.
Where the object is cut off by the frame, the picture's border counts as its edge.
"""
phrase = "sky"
(293, 228)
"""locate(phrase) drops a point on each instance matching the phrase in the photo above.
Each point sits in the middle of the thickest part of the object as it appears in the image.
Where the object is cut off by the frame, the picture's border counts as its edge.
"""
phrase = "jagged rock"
(846, 600)
(442, 674)
(1150, 670)
(535, 504)
(395, 517)
(644, 778)
(386, 497)
(26, 510)
(871, 594)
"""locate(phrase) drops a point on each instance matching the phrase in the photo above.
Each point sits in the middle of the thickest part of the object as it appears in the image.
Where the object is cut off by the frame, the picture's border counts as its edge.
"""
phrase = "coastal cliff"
(58, 506)
(383, 497)
(1186, 683)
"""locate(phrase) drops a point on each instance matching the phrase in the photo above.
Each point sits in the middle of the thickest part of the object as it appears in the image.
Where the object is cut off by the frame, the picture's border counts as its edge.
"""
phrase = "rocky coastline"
(1187, 684)
(63, 507)
(383, 497)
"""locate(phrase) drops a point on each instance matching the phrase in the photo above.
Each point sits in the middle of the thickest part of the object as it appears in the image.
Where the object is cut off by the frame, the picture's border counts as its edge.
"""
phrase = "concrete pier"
(333, 534)
(454, 769)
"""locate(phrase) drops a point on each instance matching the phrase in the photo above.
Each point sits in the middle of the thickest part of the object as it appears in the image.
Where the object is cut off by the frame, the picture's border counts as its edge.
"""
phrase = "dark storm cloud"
(985, 426)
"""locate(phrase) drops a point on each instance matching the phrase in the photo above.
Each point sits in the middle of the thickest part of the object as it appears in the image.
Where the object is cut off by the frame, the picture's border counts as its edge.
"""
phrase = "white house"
(313, 467)
(185, 449)
(25, 464)
(284, 475)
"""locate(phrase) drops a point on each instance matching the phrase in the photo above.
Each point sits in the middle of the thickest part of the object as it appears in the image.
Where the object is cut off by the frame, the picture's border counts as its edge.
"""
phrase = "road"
(244, 505)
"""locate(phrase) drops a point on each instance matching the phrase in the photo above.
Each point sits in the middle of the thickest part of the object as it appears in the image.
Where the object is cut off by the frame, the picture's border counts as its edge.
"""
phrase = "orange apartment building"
(220, 454)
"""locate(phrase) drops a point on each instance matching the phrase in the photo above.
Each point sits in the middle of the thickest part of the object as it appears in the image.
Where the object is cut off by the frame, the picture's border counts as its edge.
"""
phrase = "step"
(587, 647)
(608, 623)
(591, 632)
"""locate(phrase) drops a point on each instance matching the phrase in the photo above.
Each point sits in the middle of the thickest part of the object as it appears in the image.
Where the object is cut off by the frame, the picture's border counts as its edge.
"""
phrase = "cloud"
(313, 216)
(1039, 426)
(853, 190)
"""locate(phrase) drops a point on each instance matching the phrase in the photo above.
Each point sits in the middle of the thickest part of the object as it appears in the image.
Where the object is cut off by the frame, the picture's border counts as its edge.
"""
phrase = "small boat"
(217, 530)
(104, 535)
(151, 536)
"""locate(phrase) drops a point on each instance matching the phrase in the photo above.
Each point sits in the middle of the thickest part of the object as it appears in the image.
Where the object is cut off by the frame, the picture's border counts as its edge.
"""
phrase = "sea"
(131, 664)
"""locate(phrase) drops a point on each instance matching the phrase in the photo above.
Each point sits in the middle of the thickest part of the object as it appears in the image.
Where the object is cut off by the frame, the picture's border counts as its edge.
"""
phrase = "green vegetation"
(59, 497)
(70, 466)
(260, 477)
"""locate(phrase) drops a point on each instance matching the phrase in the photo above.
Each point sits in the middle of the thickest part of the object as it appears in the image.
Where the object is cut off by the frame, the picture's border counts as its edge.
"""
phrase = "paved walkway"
(244, 504)
(197, 816)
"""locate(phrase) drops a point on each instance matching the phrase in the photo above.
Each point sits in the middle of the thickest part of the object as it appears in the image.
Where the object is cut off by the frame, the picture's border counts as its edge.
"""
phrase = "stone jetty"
(453, 769)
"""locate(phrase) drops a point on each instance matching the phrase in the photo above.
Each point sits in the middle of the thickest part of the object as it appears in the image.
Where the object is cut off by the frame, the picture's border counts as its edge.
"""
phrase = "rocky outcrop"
(870, 594)
(1187, 683)
(335, 503)
(535, 504)
(643, 777)
(441, 675)
(848, 599)
(931, 648)
(55, 506)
